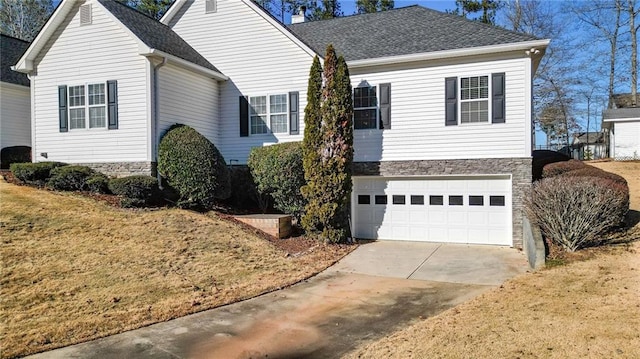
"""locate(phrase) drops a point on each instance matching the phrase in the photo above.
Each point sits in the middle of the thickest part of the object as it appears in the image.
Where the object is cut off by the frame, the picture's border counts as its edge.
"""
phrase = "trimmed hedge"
(37, 173)
(14, 154)
(194, 167)
(575, 212)
(138, 191)
(277, 171)
(541, 158)
(558, 168)
(245, 193)
(70, 178)
(98, 183)
(590, 171)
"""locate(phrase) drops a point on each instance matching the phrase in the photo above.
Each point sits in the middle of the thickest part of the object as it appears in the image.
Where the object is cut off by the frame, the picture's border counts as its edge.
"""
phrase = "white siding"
(15, 115)
(189, 99)
(258, 58)
(92, 53)
(626, 140)
(418, 130)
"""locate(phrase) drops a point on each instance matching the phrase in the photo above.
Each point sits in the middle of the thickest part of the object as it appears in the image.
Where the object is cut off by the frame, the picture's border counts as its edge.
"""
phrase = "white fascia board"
(630, 119)
(186, 64)
(281, 27)
(471, 51)
(173, 10)
(25, 63)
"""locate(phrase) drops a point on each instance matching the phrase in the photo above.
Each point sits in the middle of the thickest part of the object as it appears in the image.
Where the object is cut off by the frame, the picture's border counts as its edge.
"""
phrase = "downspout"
(32, 107)
(156, 127)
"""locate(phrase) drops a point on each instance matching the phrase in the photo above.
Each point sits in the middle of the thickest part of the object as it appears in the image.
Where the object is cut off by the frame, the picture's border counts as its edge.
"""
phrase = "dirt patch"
(75, 269)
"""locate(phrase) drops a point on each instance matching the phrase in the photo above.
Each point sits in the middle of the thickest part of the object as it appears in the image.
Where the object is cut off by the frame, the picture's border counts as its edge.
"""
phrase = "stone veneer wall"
(519, 168)
(122, 169)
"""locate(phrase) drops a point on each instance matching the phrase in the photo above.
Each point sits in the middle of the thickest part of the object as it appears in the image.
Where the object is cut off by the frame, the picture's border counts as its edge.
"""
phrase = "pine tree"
(368, 6)
(328, 189)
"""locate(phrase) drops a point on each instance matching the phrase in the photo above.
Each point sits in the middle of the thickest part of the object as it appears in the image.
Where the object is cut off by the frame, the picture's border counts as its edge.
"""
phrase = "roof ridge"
(356, 14)
(134, 9)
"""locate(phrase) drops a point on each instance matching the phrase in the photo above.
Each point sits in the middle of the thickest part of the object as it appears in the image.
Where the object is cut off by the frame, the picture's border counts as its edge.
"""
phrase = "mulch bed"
(295, 245)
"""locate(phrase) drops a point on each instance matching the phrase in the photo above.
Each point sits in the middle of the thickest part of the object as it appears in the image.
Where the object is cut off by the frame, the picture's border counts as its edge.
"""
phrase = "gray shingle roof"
(402, 31)
(620, 113)
(10, 51)
(155, 34)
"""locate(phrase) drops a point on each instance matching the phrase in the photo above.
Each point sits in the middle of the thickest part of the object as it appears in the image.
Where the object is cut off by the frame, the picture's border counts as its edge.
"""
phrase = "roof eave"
(434, 55)
(186, 64)
(171, 12)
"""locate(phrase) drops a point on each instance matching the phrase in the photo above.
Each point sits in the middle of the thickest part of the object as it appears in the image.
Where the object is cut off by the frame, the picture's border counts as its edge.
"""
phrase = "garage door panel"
(483, 217)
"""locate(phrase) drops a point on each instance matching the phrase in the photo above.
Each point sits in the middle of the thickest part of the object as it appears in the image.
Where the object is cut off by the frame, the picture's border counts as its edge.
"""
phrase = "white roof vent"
(85, 14)
(210, 6)
(299, 17)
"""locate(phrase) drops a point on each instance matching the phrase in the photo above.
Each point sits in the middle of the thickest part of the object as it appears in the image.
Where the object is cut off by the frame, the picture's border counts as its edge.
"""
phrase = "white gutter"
(156, 127)
(186, 64)
(481, 50)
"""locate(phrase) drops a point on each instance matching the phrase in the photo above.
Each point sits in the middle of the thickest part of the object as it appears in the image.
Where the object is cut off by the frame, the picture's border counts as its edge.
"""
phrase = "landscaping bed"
(76, 269)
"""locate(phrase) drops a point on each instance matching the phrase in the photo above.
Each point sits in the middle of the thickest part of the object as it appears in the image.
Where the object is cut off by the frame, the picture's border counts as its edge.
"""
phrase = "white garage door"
(436, 209)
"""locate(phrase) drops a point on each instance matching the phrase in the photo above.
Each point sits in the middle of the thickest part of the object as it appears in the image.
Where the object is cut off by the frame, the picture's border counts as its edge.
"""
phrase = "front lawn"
(74, 269)
(585, 309)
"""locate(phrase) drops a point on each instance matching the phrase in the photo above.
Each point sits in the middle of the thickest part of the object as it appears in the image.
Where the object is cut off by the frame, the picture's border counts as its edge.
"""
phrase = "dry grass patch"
(74, 269)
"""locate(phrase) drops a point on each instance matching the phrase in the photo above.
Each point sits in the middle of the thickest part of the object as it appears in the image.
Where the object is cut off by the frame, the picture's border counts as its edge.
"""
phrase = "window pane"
(76, 118)
(97, 117)
(381, 199)
(398, 199)
(76, 96)
(476, 200)
(258, 105)
(364, 199)
(363, 119)
(259, 124)
(278, 103)
(436, 200)
(496, 200)
(96, 94)
(278, 123)
(455, 200)
(417, 199)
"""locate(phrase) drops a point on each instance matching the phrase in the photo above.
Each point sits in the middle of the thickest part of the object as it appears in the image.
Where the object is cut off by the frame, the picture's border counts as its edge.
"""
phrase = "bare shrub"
(574, 212)
(590, 171)
(558, 168)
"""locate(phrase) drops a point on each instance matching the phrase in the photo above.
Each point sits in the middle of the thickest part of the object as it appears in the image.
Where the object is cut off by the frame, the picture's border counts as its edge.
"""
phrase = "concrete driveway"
(377, 289)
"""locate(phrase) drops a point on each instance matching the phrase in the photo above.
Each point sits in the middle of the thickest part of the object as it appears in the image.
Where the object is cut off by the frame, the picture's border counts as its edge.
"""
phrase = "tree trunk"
(613, 41)
(634, 52)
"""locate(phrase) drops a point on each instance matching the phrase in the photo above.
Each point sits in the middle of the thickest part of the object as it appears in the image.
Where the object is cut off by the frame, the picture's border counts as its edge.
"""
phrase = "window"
(364, 199)
(381, 199)
(365, 108)
(496, 200)
(417, 200)
(436, 200)
(268, 114)
(474, 99)
(455, 200)
(476, 200)
(87, 101)
(398, 199)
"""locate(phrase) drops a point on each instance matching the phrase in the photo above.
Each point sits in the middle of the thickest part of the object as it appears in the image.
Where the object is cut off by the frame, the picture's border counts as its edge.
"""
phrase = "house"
(15, 105)
(623, 125)
(442, 124)
(588, 146)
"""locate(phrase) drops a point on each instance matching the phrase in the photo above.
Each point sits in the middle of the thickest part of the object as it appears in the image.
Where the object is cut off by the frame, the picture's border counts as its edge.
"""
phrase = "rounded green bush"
(194, 167)
(69, 178)
(37, 173)
(138, 191)
(98, 183)
(277, 171)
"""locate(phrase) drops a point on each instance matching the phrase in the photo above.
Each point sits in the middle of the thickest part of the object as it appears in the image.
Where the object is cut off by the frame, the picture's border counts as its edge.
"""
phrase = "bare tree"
(24, 18)
(632, 12)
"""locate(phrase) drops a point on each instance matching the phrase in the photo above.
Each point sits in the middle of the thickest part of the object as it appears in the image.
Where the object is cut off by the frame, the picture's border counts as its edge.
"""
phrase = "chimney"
(299, 17)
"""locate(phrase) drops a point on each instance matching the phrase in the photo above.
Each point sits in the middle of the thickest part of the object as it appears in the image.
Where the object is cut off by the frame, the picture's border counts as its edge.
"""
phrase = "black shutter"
(112, 104)
(385, 106)
(451, 101)
(497, 98)
(244, 117)
(62, 109)
(294, 113)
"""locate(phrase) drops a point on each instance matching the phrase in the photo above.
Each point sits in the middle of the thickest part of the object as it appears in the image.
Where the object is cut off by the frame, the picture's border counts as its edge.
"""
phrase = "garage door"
(436, 209)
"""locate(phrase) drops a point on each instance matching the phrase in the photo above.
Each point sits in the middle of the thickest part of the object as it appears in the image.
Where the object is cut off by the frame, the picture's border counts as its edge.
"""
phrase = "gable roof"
(155, 34)
(591, 137)
(629, 113)
(402, 31)
(10, 51)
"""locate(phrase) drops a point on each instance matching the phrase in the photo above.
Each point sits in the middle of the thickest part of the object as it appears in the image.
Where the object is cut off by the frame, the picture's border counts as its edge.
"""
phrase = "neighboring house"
(442, 104)
(589, 146)
(15, 105)
(623, 126)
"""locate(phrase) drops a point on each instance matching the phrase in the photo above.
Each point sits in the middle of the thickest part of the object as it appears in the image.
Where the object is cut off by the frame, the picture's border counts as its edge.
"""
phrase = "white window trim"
(268, 114)
(460, 101)
(377, 108)
(86, 107)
